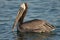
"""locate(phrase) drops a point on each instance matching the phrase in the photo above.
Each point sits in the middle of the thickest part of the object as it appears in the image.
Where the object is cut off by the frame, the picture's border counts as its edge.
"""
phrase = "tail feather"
(51, 26)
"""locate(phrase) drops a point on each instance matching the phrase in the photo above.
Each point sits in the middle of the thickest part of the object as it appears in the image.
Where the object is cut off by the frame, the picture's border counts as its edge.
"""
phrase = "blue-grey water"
(37, 9)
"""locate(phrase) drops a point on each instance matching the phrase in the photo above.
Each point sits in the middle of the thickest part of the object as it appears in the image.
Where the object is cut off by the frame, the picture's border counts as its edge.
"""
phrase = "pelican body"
(33, 25)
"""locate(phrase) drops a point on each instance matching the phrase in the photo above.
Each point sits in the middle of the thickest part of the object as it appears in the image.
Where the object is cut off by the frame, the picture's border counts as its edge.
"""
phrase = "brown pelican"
(33, 25)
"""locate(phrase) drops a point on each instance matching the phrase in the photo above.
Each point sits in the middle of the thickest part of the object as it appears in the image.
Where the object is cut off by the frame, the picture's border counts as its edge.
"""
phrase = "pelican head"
(23, 5)
(21, 14)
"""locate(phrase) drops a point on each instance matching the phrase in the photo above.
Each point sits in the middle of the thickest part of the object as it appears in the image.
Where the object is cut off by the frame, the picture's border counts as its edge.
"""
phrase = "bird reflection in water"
(34, 36)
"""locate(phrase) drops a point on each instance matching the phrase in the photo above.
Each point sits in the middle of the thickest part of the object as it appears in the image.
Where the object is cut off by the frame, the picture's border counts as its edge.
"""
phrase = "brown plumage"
(33, 25)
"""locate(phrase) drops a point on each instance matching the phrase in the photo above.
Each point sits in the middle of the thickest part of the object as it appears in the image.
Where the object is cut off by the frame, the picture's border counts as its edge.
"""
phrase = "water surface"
(38, 9)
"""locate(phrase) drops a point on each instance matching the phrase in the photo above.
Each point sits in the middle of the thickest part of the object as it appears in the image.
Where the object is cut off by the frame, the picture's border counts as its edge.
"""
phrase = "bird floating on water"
(33, 25)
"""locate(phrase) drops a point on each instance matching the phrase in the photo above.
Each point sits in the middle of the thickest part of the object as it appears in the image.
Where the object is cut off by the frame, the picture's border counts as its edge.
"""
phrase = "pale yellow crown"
(23, 6)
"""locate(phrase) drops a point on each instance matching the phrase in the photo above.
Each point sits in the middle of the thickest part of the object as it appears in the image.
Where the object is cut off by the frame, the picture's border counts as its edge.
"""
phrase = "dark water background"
(38, 9)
